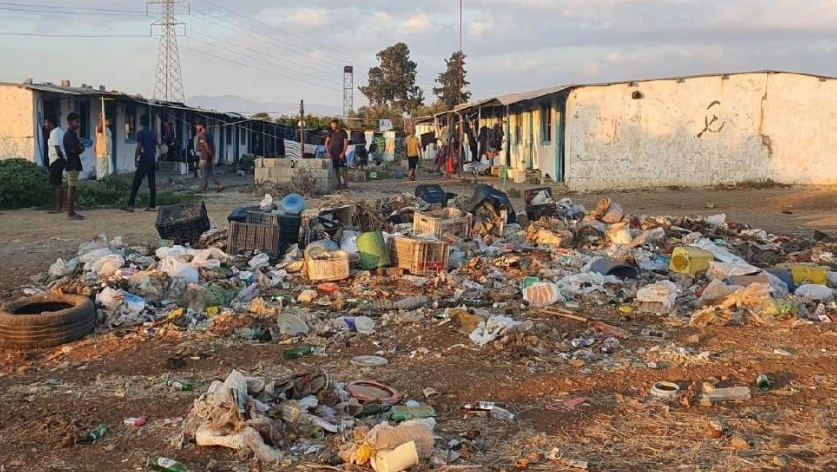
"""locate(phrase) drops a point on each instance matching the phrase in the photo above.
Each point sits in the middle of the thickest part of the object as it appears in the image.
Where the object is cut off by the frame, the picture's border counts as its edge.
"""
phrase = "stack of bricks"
(284, 170)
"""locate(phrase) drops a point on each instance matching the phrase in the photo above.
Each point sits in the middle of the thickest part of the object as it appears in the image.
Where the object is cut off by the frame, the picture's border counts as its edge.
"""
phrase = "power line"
(260, 60)
(70, 35)
(233, 61)
(65, 12)
(54, 7)
(254, 50)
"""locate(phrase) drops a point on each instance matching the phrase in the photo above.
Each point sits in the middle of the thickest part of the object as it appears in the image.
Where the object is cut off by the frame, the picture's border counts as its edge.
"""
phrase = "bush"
(24, 184)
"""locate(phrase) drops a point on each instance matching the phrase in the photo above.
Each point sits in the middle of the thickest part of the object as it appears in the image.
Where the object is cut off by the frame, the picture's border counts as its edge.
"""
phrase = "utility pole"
(168, 80)
(301, 129)
(461, 73)
(348, 92)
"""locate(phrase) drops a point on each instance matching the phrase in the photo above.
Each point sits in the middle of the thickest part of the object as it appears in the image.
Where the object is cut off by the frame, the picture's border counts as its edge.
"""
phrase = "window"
(130, 123)
(83, 111)
(546, 123)
(243, 137)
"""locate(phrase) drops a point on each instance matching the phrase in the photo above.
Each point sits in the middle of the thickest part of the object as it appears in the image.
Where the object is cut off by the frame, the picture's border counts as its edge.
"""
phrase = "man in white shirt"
(57, 161)
(103, 149)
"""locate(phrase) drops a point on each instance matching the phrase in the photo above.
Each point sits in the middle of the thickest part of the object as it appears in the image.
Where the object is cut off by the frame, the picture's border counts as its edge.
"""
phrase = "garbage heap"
(472, 262)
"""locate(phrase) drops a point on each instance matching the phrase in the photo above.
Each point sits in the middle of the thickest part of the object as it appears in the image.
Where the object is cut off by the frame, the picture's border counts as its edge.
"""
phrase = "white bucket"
(401, 458)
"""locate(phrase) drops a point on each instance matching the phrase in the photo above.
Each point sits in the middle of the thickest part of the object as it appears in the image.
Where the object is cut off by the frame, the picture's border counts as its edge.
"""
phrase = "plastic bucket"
(373, 251)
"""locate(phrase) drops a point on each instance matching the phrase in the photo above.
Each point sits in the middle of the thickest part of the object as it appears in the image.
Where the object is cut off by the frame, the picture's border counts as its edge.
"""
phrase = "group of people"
(65, 150)
(337, 145)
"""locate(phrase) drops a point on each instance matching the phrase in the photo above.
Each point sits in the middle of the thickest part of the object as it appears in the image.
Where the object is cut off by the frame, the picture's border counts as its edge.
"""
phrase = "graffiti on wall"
(712, 123)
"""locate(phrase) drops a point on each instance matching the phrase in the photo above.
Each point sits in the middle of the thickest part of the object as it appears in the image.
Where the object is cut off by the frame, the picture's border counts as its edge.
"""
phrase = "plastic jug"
(805, 274)
(293, 204)
(690, 260)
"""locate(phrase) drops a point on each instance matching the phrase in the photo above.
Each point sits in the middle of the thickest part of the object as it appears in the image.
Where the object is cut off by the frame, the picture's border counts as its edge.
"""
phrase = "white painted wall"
(18, 137)
(702, 131)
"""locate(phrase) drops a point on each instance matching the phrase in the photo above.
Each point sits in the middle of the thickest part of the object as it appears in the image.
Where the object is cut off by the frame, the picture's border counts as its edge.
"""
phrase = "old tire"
(46, 321)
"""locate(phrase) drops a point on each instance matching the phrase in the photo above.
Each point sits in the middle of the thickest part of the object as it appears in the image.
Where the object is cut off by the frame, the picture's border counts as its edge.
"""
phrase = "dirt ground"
(109, 377)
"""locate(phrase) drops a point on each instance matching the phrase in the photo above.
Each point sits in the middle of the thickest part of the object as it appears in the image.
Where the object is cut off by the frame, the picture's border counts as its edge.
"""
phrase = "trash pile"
(471, 262)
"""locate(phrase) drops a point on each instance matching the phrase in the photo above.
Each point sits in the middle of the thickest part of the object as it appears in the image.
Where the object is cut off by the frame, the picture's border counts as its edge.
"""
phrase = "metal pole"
(301, 129)
(459, 91)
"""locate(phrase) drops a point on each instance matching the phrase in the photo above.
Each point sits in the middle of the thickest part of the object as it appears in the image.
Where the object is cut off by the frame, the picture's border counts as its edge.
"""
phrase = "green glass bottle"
(166, 465)
(97, 432)
(763, 383)
(180, 385)
(297, 352)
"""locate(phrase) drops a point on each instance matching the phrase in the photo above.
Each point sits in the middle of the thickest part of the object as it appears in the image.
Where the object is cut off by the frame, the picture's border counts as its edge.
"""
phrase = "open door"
(560, 139)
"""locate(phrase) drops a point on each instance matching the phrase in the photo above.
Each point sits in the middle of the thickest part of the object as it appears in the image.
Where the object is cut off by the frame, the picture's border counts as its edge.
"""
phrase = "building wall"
(702, 131)
(18, 137)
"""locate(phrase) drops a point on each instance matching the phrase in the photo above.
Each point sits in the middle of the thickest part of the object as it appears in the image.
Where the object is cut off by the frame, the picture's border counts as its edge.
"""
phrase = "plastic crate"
(419, 257)
(253, 237)
(536, 212)
(432, 194)
(449, 220)
(288, 224)
(183, 223)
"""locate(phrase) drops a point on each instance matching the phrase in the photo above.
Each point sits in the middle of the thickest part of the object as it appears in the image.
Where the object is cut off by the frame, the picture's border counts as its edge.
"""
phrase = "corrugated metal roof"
(531, 95)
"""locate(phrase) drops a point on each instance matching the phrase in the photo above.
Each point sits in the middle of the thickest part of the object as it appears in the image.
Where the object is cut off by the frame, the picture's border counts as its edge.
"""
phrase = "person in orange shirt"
(413, 145)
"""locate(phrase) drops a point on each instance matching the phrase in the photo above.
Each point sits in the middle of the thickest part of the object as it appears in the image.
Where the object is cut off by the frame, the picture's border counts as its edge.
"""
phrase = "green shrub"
(24, 184)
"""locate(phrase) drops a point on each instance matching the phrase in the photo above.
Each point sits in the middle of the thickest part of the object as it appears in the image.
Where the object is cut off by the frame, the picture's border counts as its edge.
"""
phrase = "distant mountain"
(234, 103)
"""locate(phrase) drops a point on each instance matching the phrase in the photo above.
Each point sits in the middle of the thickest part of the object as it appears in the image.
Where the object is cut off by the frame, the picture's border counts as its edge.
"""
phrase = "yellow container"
(805, 274)
(690, 260)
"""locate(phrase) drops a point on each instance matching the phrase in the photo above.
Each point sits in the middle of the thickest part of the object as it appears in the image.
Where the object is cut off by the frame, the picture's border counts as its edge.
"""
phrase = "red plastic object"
(368, 391)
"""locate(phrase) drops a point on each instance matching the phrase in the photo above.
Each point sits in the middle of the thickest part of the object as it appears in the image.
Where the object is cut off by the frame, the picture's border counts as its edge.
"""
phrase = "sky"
(283, 51)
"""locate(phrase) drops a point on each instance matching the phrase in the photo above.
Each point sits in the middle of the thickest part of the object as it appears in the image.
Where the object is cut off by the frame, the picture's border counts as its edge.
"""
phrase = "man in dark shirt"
(337, 142)
(74, 149)
(145, 158)
(361, 153)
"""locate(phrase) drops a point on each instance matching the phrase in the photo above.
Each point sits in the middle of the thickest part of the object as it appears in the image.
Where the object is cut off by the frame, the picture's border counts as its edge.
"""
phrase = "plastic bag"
(542, 294)
(108, 265)
(716, 220)
(815, 292)
(491, 329)
(110, 299)
(133, 303)
(585, 283)
(178, 252)
(62, 269)
(664, 292)
(208, 258)
(719, 252)
(266, 203)
(614, 214)
(94, 255)
(348, 242)
(717, 291)
(99, 242)
(178, 269)
(259, 261)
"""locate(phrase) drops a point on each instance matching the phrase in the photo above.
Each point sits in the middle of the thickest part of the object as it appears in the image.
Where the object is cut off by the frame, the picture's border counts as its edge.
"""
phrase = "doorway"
(51, 108)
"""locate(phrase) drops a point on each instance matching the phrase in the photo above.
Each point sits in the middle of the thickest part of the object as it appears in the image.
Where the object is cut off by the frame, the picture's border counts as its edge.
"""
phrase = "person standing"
(337, 142)
(74, 149)
(57, 161)
(206, 150)
(145, 158)
(361, 153)
(103, 148)
(413, 145)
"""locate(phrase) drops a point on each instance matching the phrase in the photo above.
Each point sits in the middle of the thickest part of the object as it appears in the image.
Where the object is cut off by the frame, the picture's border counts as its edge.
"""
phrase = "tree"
(393, 82)
(262, 116)
(449, 90)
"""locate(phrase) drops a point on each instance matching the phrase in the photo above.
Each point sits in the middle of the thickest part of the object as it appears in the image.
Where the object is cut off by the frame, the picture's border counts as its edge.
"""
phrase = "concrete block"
(269, 162)
(262, 175)
(259, 162)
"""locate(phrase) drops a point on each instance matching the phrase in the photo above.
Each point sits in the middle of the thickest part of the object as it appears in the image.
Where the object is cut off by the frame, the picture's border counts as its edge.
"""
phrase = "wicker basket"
(183, 223)
(253, 237)
(328, 270)
(449, 220)
(419, 257)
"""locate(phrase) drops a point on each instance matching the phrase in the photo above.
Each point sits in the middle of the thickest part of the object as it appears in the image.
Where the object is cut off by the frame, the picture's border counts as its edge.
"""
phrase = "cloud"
(418, 24)
(309, 17)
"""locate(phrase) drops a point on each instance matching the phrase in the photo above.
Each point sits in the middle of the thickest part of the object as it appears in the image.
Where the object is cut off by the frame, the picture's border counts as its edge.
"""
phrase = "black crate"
(432, 194)
(288, 224)
(183, 223)
(536, 212)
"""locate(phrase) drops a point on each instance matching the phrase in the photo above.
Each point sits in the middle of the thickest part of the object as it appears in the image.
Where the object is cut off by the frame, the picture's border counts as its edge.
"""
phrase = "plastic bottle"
(97, 432)
(503, 414)
(297, 352)
(166, 465)
(763, 382)
(480, 406)
(180, 385)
